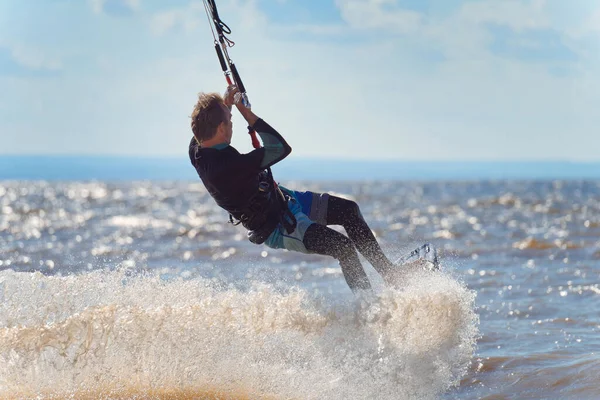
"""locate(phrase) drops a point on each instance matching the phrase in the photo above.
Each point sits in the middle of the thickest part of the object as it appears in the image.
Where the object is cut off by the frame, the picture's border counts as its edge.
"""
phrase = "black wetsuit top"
(232, 178)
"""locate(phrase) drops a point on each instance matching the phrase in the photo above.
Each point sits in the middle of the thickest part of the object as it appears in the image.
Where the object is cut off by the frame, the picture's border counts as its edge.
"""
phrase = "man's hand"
(245, 111)
(233, 96)
(229, 98)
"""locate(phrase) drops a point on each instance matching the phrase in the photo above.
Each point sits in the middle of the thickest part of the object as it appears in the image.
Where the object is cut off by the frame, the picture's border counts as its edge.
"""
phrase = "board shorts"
(308, 208)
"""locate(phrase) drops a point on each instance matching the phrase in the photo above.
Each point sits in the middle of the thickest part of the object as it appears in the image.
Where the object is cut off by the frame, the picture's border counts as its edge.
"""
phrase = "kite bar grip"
(221, 58)
(236, 77)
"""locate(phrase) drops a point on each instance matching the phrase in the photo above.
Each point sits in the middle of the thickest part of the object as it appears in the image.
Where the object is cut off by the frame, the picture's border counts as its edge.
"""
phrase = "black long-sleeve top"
(232, 178)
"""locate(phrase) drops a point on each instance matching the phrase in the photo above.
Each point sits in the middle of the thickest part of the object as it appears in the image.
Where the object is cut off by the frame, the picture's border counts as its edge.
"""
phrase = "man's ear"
(220, 128)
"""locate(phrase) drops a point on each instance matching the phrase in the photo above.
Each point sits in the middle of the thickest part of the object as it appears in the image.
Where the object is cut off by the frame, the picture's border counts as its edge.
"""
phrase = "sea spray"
(107, 332)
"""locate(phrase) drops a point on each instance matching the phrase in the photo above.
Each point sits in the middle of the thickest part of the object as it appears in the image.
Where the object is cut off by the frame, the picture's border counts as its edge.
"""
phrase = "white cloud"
(519, 15)
(133, 4)
(34, 58)
(164, 21)
(314, 29)
(98, 6)
(379, 14)
(188, 18)
(465, 32)
(593, 23)
(389, 14)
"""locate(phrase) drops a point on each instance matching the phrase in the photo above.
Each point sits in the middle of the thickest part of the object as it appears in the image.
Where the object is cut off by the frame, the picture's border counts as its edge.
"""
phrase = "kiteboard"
(425, 255)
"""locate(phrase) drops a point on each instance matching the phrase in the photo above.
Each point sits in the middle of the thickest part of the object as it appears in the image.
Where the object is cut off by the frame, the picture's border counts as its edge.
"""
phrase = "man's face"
(227, 125)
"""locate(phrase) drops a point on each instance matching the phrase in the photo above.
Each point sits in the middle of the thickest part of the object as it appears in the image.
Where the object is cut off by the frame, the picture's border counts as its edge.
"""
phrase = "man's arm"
(276, 148)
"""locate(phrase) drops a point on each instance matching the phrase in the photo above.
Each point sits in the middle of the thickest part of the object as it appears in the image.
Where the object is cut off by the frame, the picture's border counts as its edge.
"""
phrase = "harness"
(269, 206)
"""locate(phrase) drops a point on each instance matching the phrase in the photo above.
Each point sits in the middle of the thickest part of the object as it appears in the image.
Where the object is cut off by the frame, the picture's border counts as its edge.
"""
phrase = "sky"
(360, 79)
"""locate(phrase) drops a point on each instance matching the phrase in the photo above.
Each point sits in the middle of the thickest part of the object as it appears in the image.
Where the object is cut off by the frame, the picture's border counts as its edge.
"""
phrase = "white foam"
(79, 333)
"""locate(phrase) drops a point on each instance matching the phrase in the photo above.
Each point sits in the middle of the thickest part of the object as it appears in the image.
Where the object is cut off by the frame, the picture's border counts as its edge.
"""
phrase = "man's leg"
(311, 237)
(347, 214)
(320, 239)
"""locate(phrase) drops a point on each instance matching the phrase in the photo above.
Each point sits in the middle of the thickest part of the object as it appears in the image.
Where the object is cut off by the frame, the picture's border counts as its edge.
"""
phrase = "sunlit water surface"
(142, 290)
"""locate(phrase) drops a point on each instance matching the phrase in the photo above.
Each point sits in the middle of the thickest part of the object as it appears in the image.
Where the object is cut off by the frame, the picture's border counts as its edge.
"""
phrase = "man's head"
(211, 120)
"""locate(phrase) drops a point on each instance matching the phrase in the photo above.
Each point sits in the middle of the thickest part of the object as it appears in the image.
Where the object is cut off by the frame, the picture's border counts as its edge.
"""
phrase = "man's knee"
(327, 241)
(344, 242)
(343, 247)
(352, 209)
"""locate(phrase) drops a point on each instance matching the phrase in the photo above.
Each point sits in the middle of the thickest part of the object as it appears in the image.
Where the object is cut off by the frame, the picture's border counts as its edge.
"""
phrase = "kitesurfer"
(278, 217)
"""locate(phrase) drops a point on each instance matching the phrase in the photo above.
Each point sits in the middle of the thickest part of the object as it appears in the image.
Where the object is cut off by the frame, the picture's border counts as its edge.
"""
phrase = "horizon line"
(311, 158)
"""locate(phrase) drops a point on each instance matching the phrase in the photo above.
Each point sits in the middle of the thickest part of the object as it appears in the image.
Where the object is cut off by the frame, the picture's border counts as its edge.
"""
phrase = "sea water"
(142, 290)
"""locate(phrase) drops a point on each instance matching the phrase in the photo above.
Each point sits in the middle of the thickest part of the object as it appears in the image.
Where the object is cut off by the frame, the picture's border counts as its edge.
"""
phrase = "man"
(278, 217)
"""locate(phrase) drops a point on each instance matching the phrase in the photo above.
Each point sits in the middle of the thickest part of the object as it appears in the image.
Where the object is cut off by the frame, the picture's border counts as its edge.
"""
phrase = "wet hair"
(208, 114)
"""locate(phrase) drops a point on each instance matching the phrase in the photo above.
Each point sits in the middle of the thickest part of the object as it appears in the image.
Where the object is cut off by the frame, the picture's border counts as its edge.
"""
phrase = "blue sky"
(371, 79)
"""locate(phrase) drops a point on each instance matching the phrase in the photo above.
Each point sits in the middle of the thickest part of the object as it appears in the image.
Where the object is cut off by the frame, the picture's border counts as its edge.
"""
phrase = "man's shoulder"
(200, 154)
(193, 147)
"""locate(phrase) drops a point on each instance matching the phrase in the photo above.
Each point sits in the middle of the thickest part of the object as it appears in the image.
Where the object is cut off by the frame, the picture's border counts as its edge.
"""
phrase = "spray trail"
(116, 336)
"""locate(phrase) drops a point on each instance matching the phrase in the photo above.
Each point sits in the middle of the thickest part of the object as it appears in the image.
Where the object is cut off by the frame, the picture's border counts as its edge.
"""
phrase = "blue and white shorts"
(308, 208)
